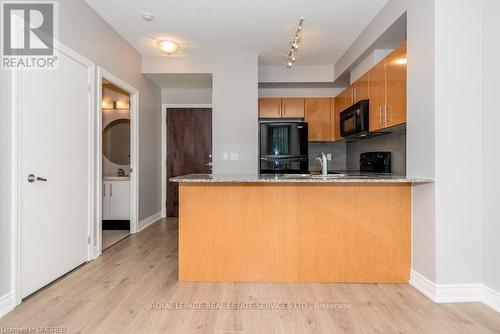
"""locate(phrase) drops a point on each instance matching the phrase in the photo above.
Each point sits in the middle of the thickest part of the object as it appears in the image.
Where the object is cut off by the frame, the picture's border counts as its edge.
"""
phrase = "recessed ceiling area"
(227, 26)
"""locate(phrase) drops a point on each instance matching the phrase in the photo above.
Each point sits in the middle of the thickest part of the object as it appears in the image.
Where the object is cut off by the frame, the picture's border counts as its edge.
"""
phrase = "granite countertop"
(291, 178)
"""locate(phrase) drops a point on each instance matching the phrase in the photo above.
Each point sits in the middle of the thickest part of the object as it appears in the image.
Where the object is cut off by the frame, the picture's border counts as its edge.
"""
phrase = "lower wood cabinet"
(318, 117)
(116, 200)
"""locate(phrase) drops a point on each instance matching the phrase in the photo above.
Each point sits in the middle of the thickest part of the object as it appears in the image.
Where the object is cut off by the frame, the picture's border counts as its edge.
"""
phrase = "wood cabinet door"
(292, 108)
(350, 95)
(339, 107)
(342, 101)
(376, 87)
(269, 107)
(333, 118)
(362, 89)
(317, 115)
(396, 86)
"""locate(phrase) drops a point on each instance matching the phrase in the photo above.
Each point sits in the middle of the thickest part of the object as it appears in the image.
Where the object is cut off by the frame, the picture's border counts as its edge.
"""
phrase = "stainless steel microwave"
(354, 121)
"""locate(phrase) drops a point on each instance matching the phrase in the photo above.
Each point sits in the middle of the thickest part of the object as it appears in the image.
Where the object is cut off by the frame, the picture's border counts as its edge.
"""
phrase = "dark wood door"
(189, 148)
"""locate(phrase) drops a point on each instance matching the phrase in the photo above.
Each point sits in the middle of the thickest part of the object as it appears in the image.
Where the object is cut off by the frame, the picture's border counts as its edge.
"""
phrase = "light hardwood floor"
(115, 293)
(111, 237)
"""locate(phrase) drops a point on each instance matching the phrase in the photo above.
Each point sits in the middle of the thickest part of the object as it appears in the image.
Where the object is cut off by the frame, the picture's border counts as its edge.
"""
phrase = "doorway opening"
(186, 130)
(117, 161)
(116, 147)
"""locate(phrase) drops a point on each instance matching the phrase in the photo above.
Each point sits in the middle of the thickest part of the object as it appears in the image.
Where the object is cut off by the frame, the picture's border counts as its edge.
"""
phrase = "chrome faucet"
(323, 162)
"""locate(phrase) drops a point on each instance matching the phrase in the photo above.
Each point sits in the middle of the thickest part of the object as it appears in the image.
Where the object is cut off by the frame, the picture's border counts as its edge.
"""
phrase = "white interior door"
(54, 139)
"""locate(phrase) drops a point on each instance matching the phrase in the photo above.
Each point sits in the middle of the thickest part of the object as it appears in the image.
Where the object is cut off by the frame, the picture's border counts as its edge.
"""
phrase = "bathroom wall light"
(107, 105)
(169, 47)
(122, 105)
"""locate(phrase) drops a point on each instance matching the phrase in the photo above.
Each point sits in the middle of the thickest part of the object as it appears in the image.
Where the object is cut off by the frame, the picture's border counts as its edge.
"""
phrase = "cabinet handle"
(111, 190)
(104, 190)
(355, 94)
(380, 115)
(385, 114)
(279, 110)
(284, 110)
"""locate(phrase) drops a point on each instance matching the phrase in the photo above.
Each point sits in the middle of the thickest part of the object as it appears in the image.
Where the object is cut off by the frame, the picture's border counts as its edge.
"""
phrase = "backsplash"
(337, 150)
(393, 142)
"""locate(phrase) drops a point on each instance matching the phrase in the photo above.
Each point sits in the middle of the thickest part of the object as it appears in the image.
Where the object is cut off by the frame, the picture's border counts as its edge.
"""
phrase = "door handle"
(209, 164)
(32, 178)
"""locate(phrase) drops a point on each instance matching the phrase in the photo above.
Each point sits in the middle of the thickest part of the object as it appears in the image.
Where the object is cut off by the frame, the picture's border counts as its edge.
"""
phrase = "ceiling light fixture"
(294, 45)
(169, 47)
(147, 16)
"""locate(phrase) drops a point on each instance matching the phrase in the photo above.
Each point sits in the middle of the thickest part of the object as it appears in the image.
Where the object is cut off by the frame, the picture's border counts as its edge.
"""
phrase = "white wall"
(234, 103)
(318, 73)
(458, 112)
(491, 160)
(299, 91)
(88, 34)
(186, 96)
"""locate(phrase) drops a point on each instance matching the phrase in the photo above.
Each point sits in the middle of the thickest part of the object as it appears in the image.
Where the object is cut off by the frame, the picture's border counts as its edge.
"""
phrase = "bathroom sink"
(116, 178)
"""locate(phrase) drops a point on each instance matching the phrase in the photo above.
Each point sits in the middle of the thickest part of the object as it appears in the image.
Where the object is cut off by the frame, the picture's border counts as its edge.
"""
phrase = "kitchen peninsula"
(303, 228)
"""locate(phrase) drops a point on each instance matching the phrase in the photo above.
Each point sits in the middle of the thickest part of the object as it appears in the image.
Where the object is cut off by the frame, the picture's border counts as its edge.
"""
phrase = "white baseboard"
(491, 298)
(6, 303)
(149, 221)
(423, 284)
(455, 293)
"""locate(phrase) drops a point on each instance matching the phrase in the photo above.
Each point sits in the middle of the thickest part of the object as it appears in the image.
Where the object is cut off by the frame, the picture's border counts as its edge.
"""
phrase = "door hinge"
(89, 88)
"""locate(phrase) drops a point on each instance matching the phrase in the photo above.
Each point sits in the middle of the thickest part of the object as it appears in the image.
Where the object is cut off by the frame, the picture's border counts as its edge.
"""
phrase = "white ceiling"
(265, 27)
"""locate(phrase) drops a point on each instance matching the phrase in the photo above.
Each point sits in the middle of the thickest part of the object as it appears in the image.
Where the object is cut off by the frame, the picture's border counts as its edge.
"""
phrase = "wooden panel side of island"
(275, 232)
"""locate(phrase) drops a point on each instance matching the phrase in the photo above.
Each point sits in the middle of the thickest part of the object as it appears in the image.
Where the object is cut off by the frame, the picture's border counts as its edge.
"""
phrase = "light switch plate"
(328, 156)
(235, 156)
(225, 156)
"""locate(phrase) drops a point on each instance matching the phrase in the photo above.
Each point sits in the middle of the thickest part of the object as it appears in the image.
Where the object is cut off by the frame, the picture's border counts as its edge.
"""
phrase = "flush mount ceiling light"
(294, 45)
(147, 16)
(169, 47)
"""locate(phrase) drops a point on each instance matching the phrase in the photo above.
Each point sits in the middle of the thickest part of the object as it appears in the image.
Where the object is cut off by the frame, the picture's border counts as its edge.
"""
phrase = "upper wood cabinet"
(338, 107)
(292, 108)
(269, 108)
(377, 96)
(387, 88)
(318, 117)
(395, 69)
(362, 90)
(281, 108)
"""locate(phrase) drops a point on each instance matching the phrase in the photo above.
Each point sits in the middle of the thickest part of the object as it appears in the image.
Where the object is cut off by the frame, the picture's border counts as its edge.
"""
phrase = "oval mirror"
(116, 141)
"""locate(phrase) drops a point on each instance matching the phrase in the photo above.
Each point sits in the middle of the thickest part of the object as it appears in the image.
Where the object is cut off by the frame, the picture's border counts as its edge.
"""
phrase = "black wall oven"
(283, 148)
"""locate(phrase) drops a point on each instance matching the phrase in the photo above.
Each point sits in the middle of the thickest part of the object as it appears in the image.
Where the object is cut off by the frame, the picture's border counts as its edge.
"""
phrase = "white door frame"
(164, 108)
(17, 173)
(96, 238)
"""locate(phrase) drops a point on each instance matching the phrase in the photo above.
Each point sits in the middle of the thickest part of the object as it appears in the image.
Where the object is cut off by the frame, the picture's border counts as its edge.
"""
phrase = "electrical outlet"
(235, 156)
(225, 156)
(328, 157)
